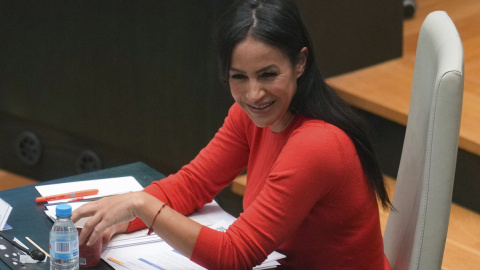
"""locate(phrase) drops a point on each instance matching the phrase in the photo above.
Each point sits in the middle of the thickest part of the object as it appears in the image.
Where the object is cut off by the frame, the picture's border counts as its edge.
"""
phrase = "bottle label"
(64, 250)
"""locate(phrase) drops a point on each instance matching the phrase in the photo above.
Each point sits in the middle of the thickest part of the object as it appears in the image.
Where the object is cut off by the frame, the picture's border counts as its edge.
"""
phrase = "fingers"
(107, 236)
(101, 224)
(104, 214)
(85, 210)
(81, 212)
(88, 230)
(92, 210)
(109, 233)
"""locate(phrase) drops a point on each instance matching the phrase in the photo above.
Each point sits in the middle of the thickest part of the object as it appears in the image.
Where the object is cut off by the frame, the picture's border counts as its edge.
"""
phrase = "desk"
(29, 219)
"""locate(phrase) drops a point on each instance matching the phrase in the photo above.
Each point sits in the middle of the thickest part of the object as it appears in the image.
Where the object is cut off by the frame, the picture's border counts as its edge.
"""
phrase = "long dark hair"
(279, 23)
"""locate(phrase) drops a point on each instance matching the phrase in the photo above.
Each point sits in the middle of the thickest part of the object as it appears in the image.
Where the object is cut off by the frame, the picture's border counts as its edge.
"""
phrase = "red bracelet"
(150, 230)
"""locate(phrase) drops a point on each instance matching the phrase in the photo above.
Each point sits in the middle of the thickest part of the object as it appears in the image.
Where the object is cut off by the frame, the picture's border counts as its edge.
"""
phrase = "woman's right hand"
(110, 232)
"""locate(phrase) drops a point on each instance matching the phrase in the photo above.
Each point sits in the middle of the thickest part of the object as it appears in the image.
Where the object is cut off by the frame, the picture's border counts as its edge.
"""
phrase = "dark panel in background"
(350, 35)
(138, 77)
(137, 80)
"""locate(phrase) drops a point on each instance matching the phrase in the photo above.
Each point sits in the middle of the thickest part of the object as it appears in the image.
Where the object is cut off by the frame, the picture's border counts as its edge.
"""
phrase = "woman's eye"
(238, 76)
(269, 74)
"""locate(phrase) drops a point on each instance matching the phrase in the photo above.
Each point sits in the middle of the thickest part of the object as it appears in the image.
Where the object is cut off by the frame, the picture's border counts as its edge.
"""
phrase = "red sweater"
(306, 197)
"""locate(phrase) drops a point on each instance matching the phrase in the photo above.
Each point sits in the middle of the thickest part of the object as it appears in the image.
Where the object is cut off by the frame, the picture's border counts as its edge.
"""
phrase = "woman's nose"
(255, 92)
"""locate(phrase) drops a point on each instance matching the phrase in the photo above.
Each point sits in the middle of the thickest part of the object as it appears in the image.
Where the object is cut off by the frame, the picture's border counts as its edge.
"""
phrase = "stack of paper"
(106, 187)
(138, 250)
(5, 210)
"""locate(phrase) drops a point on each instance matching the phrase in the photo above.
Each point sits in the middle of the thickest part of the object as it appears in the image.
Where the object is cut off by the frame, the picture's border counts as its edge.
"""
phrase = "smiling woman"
(263, 81)
(313, 179)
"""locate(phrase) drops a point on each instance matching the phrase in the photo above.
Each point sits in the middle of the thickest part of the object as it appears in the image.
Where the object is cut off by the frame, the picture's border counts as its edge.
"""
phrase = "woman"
(313, 178)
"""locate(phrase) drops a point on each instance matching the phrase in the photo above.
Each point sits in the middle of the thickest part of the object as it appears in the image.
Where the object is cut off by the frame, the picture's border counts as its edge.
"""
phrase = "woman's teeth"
(262, 107)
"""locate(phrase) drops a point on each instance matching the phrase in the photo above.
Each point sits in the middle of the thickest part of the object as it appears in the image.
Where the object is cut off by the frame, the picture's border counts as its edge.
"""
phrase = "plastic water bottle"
(64, 241)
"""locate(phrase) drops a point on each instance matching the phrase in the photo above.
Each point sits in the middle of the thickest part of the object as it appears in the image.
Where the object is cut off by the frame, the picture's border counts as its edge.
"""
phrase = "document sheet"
(137, 250)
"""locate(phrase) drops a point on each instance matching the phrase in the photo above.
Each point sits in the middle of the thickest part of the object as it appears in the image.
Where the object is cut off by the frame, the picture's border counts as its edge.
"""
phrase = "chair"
(416, 230)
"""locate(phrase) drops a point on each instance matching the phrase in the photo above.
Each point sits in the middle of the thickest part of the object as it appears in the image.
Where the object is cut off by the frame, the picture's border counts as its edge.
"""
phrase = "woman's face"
(263, 81)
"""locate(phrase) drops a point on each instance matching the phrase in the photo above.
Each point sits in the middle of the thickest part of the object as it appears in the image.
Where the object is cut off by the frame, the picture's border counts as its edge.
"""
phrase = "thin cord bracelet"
(150, 230)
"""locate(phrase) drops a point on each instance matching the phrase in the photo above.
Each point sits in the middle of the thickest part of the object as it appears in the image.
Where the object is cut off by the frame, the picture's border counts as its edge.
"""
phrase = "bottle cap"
(63, 210)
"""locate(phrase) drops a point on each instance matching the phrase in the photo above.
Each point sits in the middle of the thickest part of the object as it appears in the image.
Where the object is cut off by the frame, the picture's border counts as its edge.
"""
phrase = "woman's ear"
(302, 61)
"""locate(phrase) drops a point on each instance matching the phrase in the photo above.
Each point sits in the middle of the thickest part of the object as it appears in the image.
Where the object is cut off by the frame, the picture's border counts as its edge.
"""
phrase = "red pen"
(68, 195)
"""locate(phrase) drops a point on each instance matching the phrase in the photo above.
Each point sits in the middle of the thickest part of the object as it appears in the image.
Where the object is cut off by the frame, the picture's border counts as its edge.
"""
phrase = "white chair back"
(416, 232)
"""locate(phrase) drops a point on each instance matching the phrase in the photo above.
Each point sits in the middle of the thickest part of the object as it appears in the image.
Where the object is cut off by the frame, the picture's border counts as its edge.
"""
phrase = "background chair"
(416, 231)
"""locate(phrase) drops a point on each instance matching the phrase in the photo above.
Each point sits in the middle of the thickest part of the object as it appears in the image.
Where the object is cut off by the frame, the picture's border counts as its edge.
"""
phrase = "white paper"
(51, 210)
(163, 257)
(206, 216)
(5, 210)
(108, 186)
(138, 251)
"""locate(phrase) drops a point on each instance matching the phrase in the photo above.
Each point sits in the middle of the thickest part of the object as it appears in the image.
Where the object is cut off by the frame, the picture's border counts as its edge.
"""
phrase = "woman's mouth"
(260, 107)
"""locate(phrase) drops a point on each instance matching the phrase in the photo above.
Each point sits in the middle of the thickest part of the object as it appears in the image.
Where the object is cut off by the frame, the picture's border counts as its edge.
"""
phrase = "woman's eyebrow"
(266, 68)
(258, 71)
(237, 70)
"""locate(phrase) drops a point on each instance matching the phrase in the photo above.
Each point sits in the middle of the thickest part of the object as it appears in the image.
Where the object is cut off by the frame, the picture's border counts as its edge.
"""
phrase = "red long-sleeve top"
(306, 197)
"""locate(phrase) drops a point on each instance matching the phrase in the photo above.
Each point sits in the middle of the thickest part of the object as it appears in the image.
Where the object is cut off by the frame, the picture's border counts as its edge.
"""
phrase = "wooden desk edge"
(399, 117)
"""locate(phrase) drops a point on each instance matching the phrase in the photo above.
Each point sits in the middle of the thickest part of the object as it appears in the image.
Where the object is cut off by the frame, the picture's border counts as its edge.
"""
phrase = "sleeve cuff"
(135, 225)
